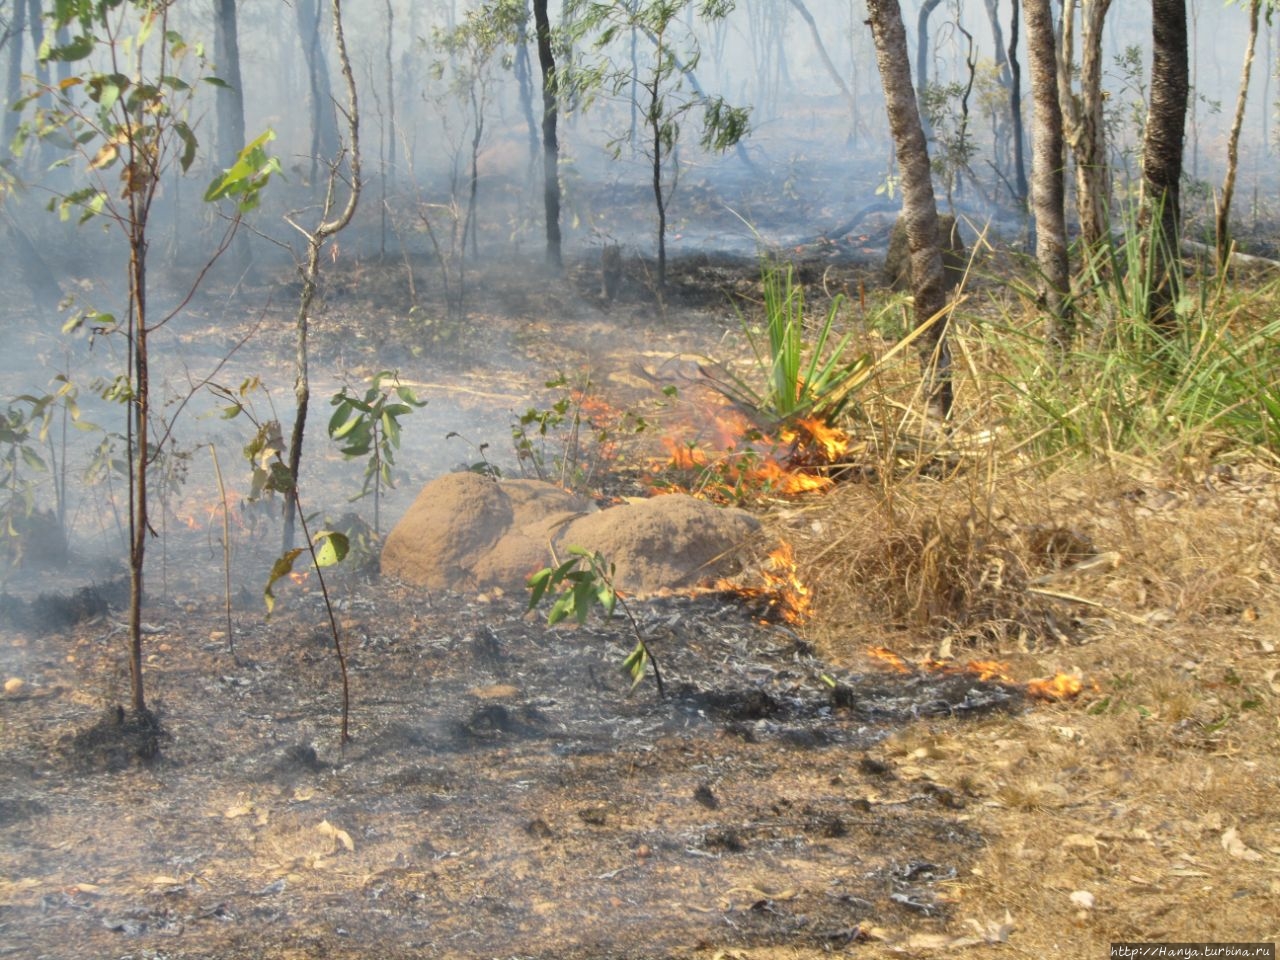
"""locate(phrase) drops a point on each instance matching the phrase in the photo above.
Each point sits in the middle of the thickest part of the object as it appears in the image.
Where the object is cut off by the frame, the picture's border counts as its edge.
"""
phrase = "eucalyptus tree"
(473, 46)
(1015, 110)
(664, 85)
(919, 204)
(325, 139)
(550, 139)
(122, 121)
(1162, 147)
(229, 103)
(1082, 117)
(336, 214)
(922, 56)
(1223, 213)
(1048, 190)
(17, 30)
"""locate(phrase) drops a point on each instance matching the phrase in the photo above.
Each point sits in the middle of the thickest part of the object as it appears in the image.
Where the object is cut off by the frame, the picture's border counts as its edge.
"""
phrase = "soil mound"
(467, 532)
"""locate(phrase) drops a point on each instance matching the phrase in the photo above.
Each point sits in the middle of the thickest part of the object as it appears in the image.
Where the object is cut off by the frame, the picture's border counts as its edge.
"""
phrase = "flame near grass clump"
(792, 599)
(780, 594)
(733, 461)
(1063, 686)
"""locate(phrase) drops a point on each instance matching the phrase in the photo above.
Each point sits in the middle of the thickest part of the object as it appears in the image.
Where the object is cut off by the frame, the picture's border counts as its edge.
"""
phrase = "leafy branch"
(369, 426)
(584, 581)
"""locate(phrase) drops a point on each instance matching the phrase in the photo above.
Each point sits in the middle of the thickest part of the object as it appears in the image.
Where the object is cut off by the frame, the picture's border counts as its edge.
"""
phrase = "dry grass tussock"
(1145, 808)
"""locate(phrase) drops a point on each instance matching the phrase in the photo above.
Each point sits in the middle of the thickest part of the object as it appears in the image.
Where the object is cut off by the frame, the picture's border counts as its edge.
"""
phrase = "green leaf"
(537, 584)
(561, 609)
(32, 459)
(281, 568)
(607, 597)
(636, 663)
(188, 145)
(333, 549)
(342, 422)
(77, 49)
(244, 180)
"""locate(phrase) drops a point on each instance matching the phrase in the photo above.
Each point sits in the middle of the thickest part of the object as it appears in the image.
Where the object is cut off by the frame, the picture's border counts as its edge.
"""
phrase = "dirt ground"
(505, 795)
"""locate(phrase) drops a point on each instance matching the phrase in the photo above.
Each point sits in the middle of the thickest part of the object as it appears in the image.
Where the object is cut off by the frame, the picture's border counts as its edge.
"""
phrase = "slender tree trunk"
(634, 96)
(1082, 119)
(138, 519)
(471, 226)
(1048, 194)
(325, 141)
(654, 115)
(524, 80)
(229, 100)
(550, 144)
(821, 47)
(316, 240)
(922, 58)
(997, 37)
(35, 19)
(1015, 112)
(919, 205)
(13, 78)
(389, 168)
(1162, 147)
(229, 110)
(1223, 213)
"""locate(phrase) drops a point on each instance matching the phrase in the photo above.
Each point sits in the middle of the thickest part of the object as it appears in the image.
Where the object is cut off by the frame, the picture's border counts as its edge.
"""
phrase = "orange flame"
(890, 658)
(794, 601)
(783, 595)
(733, 458)
(989, 670)
(1064, 686)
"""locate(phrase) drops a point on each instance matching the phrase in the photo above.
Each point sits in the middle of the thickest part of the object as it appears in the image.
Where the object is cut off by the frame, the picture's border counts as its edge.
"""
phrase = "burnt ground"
(502, 794)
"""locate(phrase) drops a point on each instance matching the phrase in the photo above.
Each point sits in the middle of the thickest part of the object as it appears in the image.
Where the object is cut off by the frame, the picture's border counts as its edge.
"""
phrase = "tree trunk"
(325, 142)
(550, 145)
(1015, 113)
(139, 526)
(316, 240)
(836, 78)
(919, 205)
(1048, 195)
(13, 78)
(922, 56)
(1162, 158)
(524, 80)
(229, 99)
(35, 18)
(229, 111)
(1082, 119)
(390, 164)
(997, 37)
(1223, 213)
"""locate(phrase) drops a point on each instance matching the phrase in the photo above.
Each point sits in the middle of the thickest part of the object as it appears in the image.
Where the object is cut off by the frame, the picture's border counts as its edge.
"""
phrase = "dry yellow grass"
(1145, 808)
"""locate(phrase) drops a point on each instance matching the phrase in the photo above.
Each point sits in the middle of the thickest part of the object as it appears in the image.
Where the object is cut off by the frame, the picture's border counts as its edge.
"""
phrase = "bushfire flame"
(794, 603)
(1063, 686)
(730, 457)
(783, 595)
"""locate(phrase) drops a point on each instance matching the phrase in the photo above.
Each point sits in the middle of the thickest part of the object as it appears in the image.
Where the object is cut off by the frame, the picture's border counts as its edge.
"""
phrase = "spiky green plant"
(794, 377)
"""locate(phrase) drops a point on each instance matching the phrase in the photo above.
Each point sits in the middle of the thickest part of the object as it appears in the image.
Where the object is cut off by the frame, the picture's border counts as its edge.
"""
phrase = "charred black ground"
(503, 794)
